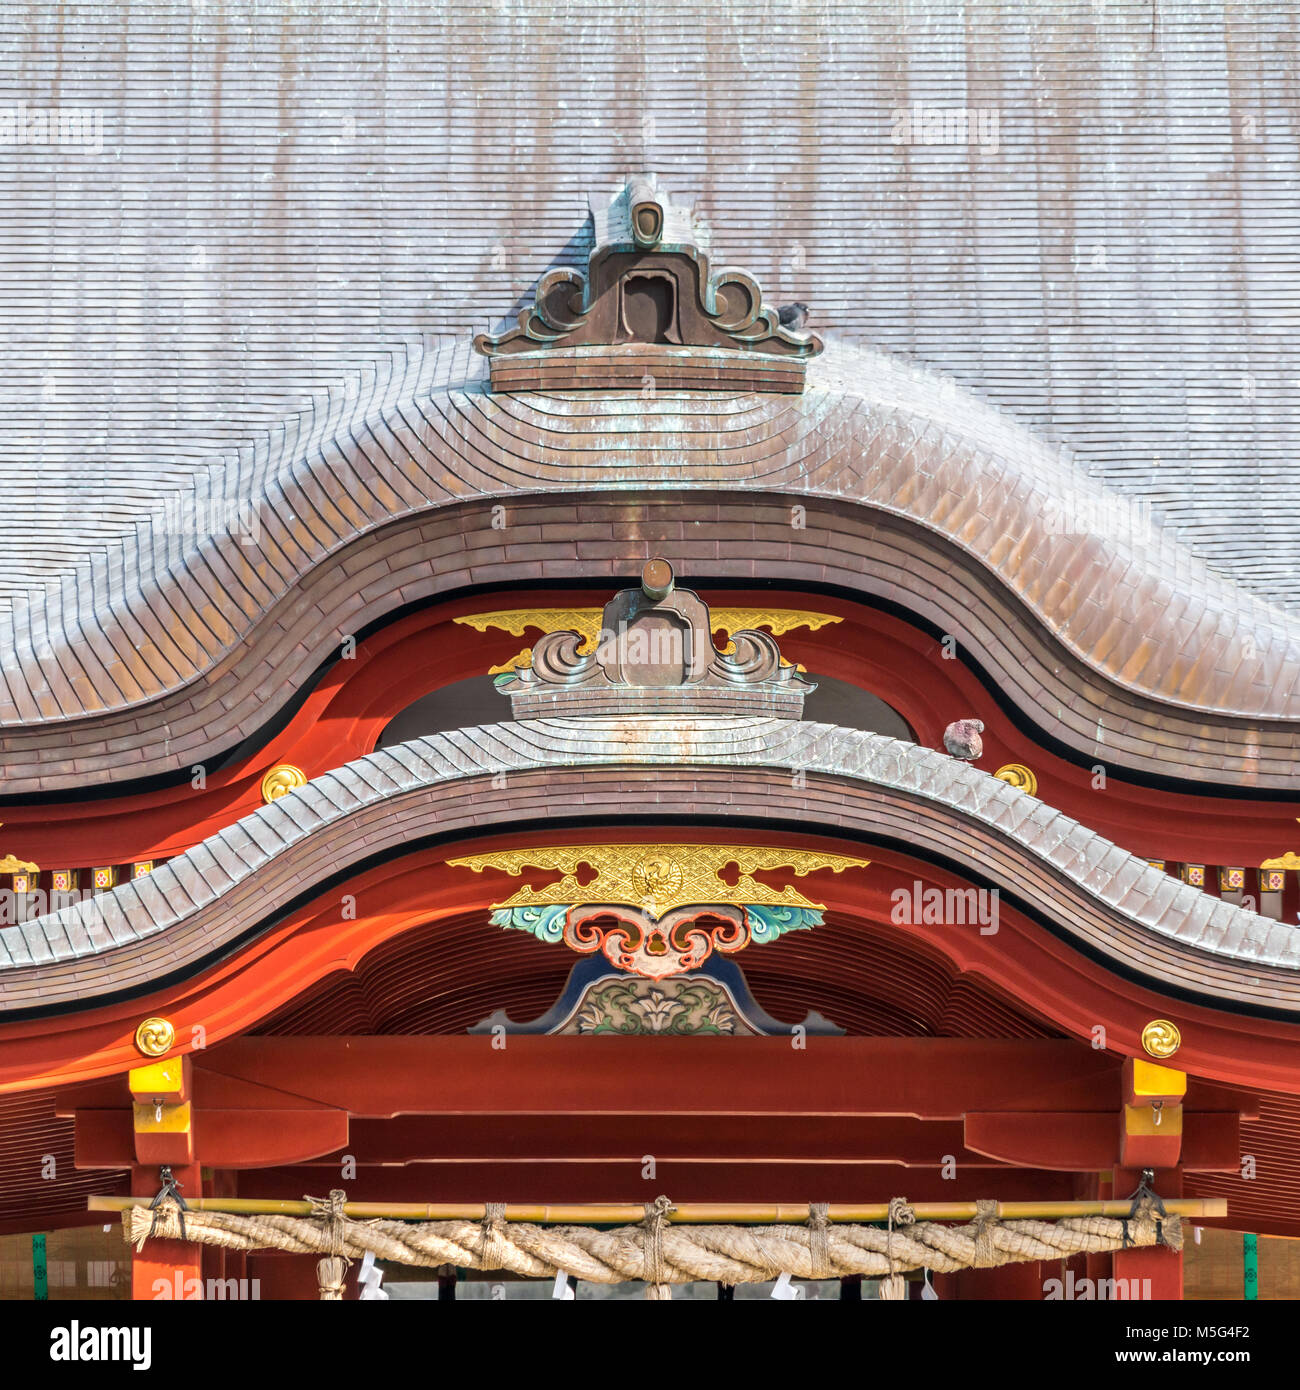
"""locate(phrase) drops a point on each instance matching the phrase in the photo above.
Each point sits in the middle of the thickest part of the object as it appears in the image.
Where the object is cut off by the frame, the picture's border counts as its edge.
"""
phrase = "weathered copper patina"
(648, 314)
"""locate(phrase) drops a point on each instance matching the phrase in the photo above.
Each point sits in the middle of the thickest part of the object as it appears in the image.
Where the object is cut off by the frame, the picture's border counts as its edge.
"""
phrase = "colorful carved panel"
(712, 1001)
(688, 1006)
(657, 910)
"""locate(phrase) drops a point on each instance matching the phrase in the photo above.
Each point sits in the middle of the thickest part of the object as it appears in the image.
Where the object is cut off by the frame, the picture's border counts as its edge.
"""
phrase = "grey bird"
(793, 316)
(963, 741)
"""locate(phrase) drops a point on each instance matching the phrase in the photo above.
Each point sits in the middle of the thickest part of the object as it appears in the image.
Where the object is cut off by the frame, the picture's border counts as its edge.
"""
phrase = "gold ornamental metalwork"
(281, 780)
(658, 878)
(586, 621)
(1018, 775)
(1161, 1038)
(155, 1036)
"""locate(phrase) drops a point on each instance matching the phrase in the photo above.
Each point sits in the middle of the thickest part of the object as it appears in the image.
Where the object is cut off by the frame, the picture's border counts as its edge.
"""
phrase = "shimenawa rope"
(661, 1253)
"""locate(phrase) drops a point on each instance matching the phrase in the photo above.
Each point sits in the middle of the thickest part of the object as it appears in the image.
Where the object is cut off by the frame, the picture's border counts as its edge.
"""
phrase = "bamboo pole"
(692, 1213)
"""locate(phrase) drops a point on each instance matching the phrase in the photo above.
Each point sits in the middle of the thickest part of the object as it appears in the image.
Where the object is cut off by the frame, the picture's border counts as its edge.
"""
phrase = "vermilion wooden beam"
(211, 1091)
(1077, 1143)
(932, 1078)
(1074, 1142)
(624, 1138)
(548, 1181)
(221, 1138)
(177, 1264)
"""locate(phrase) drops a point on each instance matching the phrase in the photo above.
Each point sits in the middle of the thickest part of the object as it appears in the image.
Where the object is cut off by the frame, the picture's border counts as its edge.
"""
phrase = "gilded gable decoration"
(586, 621)
(658, 909)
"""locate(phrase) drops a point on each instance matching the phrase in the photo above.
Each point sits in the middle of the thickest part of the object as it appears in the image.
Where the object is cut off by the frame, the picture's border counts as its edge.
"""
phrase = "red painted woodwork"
(571, 1119)
(1163, 1150)
(345, 714)
(611, 1138)
(1075, 1142)
(1162, 1266)
(174, 1149)
(940, 1078)
(285, 1278)
(1022, 962)
(854, 1125)
(271, 1089)
(440, 977)
(549, 1181)
(176, 1264)
(104, 1140)
(1023, 1283)
(250, 1138)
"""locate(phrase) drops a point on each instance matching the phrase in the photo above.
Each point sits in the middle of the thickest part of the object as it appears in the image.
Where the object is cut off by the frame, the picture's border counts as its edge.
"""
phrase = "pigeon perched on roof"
(793, 316)
(963, 741)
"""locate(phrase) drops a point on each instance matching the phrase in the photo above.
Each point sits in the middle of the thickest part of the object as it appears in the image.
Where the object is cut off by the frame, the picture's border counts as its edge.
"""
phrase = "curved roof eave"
(173, 650)
(1136, 919)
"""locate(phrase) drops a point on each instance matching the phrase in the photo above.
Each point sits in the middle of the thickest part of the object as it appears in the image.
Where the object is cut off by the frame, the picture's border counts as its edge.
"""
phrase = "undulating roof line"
(393, 490)
(194, 907)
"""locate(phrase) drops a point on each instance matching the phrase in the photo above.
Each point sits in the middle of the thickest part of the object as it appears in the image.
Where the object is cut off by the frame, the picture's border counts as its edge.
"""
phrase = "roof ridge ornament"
(648, 309)
(655, 655)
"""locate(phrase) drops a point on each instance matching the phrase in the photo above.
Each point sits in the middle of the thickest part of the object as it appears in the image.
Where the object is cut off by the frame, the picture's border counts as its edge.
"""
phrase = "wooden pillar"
(166, 1269)
(1162, 1267)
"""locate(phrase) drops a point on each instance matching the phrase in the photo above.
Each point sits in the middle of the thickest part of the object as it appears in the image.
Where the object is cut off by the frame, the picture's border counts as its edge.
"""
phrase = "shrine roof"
(1112, 265)
(1115, 907)
(879, 478)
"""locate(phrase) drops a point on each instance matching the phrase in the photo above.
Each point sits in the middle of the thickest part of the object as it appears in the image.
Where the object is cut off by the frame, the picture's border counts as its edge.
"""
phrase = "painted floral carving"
(676, 1008)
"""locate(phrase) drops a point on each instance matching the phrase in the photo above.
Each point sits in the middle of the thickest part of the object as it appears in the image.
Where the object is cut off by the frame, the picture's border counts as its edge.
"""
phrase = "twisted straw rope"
(720, 1254)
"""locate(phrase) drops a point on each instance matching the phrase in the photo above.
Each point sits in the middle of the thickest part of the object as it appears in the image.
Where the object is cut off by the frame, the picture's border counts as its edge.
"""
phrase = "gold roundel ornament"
(1018, 775)
(1161, 1038)
(155, 1036)
(281, 780)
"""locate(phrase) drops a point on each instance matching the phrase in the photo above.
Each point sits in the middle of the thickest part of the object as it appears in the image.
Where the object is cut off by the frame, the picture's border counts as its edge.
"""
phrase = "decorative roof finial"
(648, 308)
(655, 655)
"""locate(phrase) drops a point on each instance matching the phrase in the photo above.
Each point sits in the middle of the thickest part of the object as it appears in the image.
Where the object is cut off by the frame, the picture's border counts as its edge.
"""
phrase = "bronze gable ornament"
(648, 314)
(654, 654)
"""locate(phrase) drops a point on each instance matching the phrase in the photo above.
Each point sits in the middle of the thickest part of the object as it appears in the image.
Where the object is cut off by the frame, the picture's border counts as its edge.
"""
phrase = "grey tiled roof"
(865, 784)
(288, 189)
